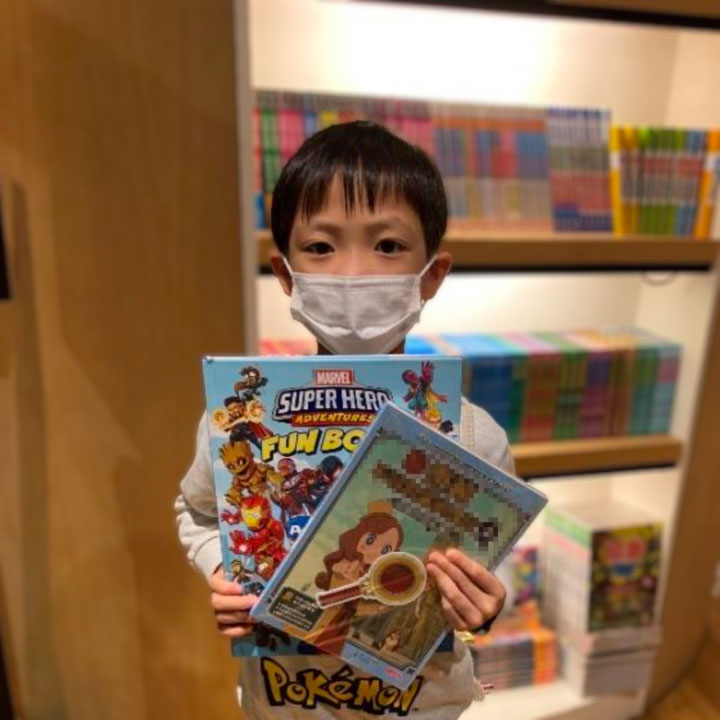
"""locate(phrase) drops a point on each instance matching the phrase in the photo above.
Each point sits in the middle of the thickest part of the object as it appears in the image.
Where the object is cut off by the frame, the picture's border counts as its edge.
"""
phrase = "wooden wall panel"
(696, 550)
(118, 161)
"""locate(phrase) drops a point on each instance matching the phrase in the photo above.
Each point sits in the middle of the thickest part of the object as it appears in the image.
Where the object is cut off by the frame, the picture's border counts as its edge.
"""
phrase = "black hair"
(232, 400)
(329, 464)
(373, 164)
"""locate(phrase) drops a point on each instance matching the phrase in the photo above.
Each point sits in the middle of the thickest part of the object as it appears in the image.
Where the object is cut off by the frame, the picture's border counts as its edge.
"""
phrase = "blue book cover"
(355, 583)
(282, 429)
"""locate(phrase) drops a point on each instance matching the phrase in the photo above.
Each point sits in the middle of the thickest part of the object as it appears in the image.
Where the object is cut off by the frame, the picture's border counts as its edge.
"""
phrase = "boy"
(357, 218)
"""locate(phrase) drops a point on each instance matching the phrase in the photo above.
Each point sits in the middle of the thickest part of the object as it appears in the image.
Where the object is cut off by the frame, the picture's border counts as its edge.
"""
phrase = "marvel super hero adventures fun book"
(281, 431)
(355, 584)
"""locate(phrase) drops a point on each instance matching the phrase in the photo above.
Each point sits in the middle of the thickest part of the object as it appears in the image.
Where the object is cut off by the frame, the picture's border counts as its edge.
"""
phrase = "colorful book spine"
(618, 180)
(708, 187)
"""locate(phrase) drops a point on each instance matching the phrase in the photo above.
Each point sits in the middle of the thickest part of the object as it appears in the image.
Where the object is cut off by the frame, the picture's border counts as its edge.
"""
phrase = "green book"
(676, 184)
(645, 180)
(567, 417)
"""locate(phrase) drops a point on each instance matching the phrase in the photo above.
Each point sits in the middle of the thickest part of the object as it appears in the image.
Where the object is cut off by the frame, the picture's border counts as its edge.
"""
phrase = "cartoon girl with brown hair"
(377, 533)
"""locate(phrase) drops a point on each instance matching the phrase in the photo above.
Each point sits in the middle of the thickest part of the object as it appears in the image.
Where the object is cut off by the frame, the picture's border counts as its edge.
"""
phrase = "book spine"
(695, 178)
(646, 177)
(708, 187)
(603, 156)
(257, 169)
(616, 180)
(664, 182)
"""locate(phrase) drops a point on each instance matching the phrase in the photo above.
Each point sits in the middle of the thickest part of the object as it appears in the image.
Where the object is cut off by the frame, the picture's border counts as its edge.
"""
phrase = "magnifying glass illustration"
(397, 578)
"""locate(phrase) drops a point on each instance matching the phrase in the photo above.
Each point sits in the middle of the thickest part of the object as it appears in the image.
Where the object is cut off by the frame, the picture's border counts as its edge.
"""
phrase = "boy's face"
(388, 241)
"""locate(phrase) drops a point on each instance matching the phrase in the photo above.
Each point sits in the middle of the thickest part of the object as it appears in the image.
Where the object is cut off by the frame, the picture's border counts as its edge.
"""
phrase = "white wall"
(694, 98)
(452, 54)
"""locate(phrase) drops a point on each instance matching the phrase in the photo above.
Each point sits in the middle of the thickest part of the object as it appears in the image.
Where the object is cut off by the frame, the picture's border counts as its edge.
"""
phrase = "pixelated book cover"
(355, 584)
(282, 429)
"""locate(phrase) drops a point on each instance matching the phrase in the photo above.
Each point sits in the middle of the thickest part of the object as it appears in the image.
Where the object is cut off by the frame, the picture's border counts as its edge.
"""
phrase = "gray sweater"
(318, 686)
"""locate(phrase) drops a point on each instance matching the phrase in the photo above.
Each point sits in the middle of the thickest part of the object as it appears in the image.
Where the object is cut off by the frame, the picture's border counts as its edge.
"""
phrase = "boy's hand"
(471, 595)
(231, 606)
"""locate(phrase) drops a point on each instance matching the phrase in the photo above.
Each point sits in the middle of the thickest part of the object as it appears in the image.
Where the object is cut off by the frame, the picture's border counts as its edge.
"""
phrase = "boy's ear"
(281, 272)
(436, 273)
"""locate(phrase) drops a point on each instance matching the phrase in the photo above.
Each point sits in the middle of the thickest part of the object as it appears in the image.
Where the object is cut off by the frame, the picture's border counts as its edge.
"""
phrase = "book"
(355, 583)
(620, 672)
(601, 566)
(282, 429)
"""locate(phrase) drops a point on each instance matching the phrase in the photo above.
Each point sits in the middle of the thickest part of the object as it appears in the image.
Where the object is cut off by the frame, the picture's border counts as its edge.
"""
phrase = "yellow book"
(706, 198)
(616, 184)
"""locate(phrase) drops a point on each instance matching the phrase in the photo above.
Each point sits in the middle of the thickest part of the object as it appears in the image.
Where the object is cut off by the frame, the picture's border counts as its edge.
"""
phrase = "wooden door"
(118, 169)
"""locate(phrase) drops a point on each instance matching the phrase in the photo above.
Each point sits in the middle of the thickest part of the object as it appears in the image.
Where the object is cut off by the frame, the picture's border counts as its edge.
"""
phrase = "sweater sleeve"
(196, 509)
(481, 434)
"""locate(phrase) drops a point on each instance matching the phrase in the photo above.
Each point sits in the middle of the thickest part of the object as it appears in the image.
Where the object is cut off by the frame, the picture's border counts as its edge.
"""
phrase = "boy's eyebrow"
(325, 226)
(388, 223)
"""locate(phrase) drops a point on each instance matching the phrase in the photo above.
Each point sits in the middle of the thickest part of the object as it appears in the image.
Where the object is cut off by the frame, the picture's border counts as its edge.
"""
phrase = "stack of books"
(543, 386)
(519, 650)
(579, 169)
(667, 180)
(601, 563)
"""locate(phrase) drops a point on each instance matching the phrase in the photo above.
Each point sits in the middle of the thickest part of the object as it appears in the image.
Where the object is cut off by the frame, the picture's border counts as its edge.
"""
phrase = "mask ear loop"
(428, 265)
(421, 275)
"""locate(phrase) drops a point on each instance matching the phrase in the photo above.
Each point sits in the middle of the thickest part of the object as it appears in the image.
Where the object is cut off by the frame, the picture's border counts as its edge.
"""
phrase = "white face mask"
(357, 314)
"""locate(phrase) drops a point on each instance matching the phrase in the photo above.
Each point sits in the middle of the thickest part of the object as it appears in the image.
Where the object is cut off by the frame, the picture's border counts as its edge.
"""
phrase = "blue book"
(281, 431)
(355, 583)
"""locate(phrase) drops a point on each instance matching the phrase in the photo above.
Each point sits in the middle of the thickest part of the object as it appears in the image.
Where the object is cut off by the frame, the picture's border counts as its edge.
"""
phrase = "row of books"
(600, 571)
(519, 169)
(665, 180)
(556, 385)
(503, 167)
(562, 385)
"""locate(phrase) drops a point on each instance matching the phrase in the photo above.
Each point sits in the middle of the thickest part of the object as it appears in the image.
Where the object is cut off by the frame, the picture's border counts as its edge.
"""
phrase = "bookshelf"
(554, 700)
(645, 75)
(473, 250)
(595, 455)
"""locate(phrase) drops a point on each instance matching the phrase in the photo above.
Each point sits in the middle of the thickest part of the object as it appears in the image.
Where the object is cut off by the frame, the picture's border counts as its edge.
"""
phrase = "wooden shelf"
(556, 701)
(564, 253)
(592, 455)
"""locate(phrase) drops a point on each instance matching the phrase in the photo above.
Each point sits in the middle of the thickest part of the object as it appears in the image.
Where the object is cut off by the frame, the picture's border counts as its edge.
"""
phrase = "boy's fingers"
(482, 577)
(470, 615)
(233, 618)
(236, 631)
(220, 585)
(466, 585)
(489, 605)
(452, 617)
(232, 603)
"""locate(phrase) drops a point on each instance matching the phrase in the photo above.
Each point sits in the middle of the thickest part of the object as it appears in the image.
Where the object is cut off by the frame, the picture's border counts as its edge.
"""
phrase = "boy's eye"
(319, 247)
(370, 539)
(388, 246)
(386, 549)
